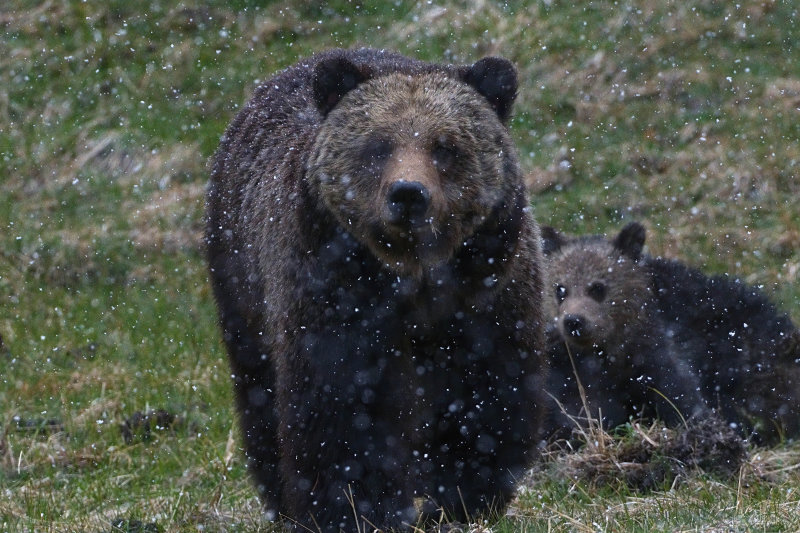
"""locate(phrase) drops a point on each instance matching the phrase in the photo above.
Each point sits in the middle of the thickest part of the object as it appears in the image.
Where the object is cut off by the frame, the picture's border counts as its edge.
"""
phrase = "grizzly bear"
(377, 273)
(605, 327)
(653, 336)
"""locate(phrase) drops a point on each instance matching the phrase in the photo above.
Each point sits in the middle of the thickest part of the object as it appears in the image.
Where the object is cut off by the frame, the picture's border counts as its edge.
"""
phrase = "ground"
(680, 115)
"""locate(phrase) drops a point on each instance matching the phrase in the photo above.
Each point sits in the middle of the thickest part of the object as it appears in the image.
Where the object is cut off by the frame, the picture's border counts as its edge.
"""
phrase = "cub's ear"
(334, 77)
(630, 240)
(552, 240)
(496, 79)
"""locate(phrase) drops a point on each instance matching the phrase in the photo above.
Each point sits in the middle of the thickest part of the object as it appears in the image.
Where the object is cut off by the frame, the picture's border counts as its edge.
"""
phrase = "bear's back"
(725, 329)
(727, 312)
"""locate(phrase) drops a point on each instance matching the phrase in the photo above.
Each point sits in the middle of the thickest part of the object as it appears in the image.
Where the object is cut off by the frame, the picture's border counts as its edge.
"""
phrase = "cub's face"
(599, 294)
(411, 165)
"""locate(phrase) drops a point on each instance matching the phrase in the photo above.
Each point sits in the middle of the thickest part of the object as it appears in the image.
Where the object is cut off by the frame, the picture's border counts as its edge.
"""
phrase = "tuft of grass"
(599, 486)
(646, 458)
(681, 115)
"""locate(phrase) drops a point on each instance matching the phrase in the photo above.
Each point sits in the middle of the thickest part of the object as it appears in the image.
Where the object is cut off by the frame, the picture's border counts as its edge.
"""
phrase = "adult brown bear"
(377, 274)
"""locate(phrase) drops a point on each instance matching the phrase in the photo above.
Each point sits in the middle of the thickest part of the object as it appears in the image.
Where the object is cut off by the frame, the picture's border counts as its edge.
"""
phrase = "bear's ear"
(552, 240)
(496, 79)
(334, 77)
(630, 240)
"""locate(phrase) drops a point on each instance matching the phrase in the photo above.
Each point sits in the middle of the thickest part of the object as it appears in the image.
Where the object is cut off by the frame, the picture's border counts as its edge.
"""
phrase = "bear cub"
(605, 326)
(377, 274)
(653, 336)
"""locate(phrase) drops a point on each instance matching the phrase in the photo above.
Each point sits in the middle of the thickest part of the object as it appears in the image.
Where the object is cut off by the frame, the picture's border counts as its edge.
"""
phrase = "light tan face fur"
(428, 129)
(593, 284)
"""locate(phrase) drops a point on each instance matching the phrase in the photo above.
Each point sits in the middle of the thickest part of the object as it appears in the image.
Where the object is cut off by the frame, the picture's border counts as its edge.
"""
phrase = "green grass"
(685, 116)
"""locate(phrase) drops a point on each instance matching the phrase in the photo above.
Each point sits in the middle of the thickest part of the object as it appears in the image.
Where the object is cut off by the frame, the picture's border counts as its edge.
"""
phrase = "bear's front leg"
(673, 389)
(345, 458)
(479, 448)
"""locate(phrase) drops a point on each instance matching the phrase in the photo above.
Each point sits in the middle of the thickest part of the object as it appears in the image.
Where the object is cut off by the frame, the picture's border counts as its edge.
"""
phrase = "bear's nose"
(575, 326)
(408, 202)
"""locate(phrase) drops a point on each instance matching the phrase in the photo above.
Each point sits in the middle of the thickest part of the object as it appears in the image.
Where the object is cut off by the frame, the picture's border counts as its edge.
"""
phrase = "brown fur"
(611, 321)
(700, 340)
(604, 319)
(377, 274)
(419, 115)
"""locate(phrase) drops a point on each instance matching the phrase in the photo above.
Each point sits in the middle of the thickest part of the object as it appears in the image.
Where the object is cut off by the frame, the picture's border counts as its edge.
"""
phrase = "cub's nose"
(575, 326)
(408, 202)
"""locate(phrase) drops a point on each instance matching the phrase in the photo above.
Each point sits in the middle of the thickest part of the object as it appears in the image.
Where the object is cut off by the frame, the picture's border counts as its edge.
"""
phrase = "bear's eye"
(444, 156)
(376, 152)
(597, 291)
(561, 293)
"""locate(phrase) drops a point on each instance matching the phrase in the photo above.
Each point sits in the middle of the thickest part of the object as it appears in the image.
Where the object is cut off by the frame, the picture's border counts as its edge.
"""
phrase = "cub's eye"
(444, 156)
(561, 293)
(376, 152)
(597, 291)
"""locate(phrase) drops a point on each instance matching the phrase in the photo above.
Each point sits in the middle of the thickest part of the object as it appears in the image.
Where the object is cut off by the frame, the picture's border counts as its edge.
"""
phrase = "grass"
(682, 115)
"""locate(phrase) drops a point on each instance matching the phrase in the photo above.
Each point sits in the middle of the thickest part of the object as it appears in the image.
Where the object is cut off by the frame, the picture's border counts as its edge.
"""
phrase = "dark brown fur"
(703, 341)
(604, 320)
(377, 275)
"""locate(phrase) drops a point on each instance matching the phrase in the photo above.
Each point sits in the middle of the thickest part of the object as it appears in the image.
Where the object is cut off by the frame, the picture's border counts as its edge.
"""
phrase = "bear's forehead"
(416, 109)
(414, 120)
(422, 95)
(583, 263)
(420, 85)
(589, 257)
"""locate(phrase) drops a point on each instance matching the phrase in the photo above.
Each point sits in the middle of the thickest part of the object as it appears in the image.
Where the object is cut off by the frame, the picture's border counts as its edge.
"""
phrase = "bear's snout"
(407, 203)
(576, 327)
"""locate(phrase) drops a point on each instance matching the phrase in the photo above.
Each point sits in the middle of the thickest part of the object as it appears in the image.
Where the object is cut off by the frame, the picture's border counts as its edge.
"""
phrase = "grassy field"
(115, 402)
